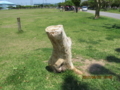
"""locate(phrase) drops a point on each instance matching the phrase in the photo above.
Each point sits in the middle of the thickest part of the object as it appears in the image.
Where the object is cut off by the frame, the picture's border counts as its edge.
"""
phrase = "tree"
(77, 4)
(99, 3)
(97, 8)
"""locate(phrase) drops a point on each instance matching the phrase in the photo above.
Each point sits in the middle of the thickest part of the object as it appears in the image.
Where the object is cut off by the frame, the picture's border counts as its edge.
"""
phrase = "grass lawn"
(24, 55)
(112, 11)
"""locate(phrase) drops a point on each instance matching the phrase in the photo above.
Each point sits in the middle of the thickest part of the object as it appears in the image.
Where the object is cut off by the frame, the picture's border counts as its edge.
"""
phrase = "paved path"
(113, 15)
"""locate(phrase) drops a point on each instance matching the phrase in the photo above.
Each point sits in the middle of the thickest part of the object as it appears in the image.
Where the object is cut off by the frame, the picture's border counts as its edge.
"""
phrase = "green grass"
(112, 10)
(24, 55)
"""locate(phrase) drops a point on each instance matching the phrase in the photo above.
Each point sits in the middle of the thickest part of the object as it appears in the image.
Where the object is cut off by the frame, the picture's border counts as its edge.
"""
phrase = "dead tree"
(61, 58)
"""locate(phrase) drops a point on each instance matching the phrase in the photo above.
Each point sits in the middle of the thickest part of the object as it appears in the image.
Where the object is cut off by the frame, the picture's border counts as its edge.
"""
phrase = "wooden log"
(61, 58)
(19, 24)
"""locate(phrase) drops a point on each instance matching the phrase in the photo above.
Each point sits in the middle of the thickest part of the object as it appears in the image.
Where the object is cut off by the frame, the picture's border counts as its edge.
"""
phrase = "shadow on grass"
(20, 32)
(89, 41)
(76, 31)
(112, 37)
(72, 83)
(44, 49)
(114, 26)
(91, 17)
(17, 77)
(113, 59)
(97, 69)
(117, 49)
(101, 18)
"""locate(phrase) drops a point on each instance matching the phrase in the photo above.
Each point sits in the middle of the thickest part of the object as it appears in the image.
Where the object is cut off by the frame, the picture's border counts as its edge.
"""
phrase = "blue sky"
(28, 2)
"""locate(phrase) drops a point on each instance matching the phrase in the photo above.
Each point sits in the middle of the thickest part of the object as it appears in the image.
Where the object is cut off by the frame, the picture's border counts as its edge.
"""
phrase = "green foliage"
(66, 3)
(61, 4)
(116, 3)
(10, 7)
(104, 3)
(69, 3)
(92, 4)
(76, 2)
(85, 3)
(0, 8)
(35, 6)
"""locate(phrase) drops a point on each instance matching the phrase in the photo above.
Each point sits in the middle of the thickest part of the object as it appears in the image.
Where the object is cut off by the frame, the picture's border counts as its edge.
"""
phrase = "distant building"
(6, 4)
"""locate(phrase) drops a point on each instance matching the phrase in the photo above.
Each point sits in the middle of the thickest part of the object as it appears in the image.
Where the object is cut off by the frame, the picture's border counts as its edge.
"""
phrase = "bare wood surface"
(61, 58)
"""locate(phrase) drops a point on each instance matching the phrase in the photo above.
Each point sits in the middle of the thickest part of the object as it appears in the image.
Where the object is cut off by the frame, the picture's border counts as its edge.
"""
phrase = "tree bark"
(97, 11)
(76, 9)
(61, 58)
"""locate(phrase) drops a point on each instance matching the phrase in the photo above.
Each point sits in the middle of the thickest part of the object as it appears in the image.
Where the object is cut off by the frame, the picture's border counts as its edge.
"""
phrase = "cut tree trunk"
(61, 58)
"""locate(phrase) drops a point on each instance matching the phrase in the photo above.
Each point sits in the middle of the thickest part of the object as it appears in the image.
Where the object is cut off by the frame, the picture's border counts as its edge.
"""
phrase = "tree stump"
(61, 58)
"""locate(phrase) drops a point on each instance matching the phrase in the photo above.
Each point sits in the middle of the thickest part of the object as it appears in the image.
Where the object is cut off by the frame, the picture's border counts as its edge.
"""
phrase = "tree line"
(106, 4)
(32, 6)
